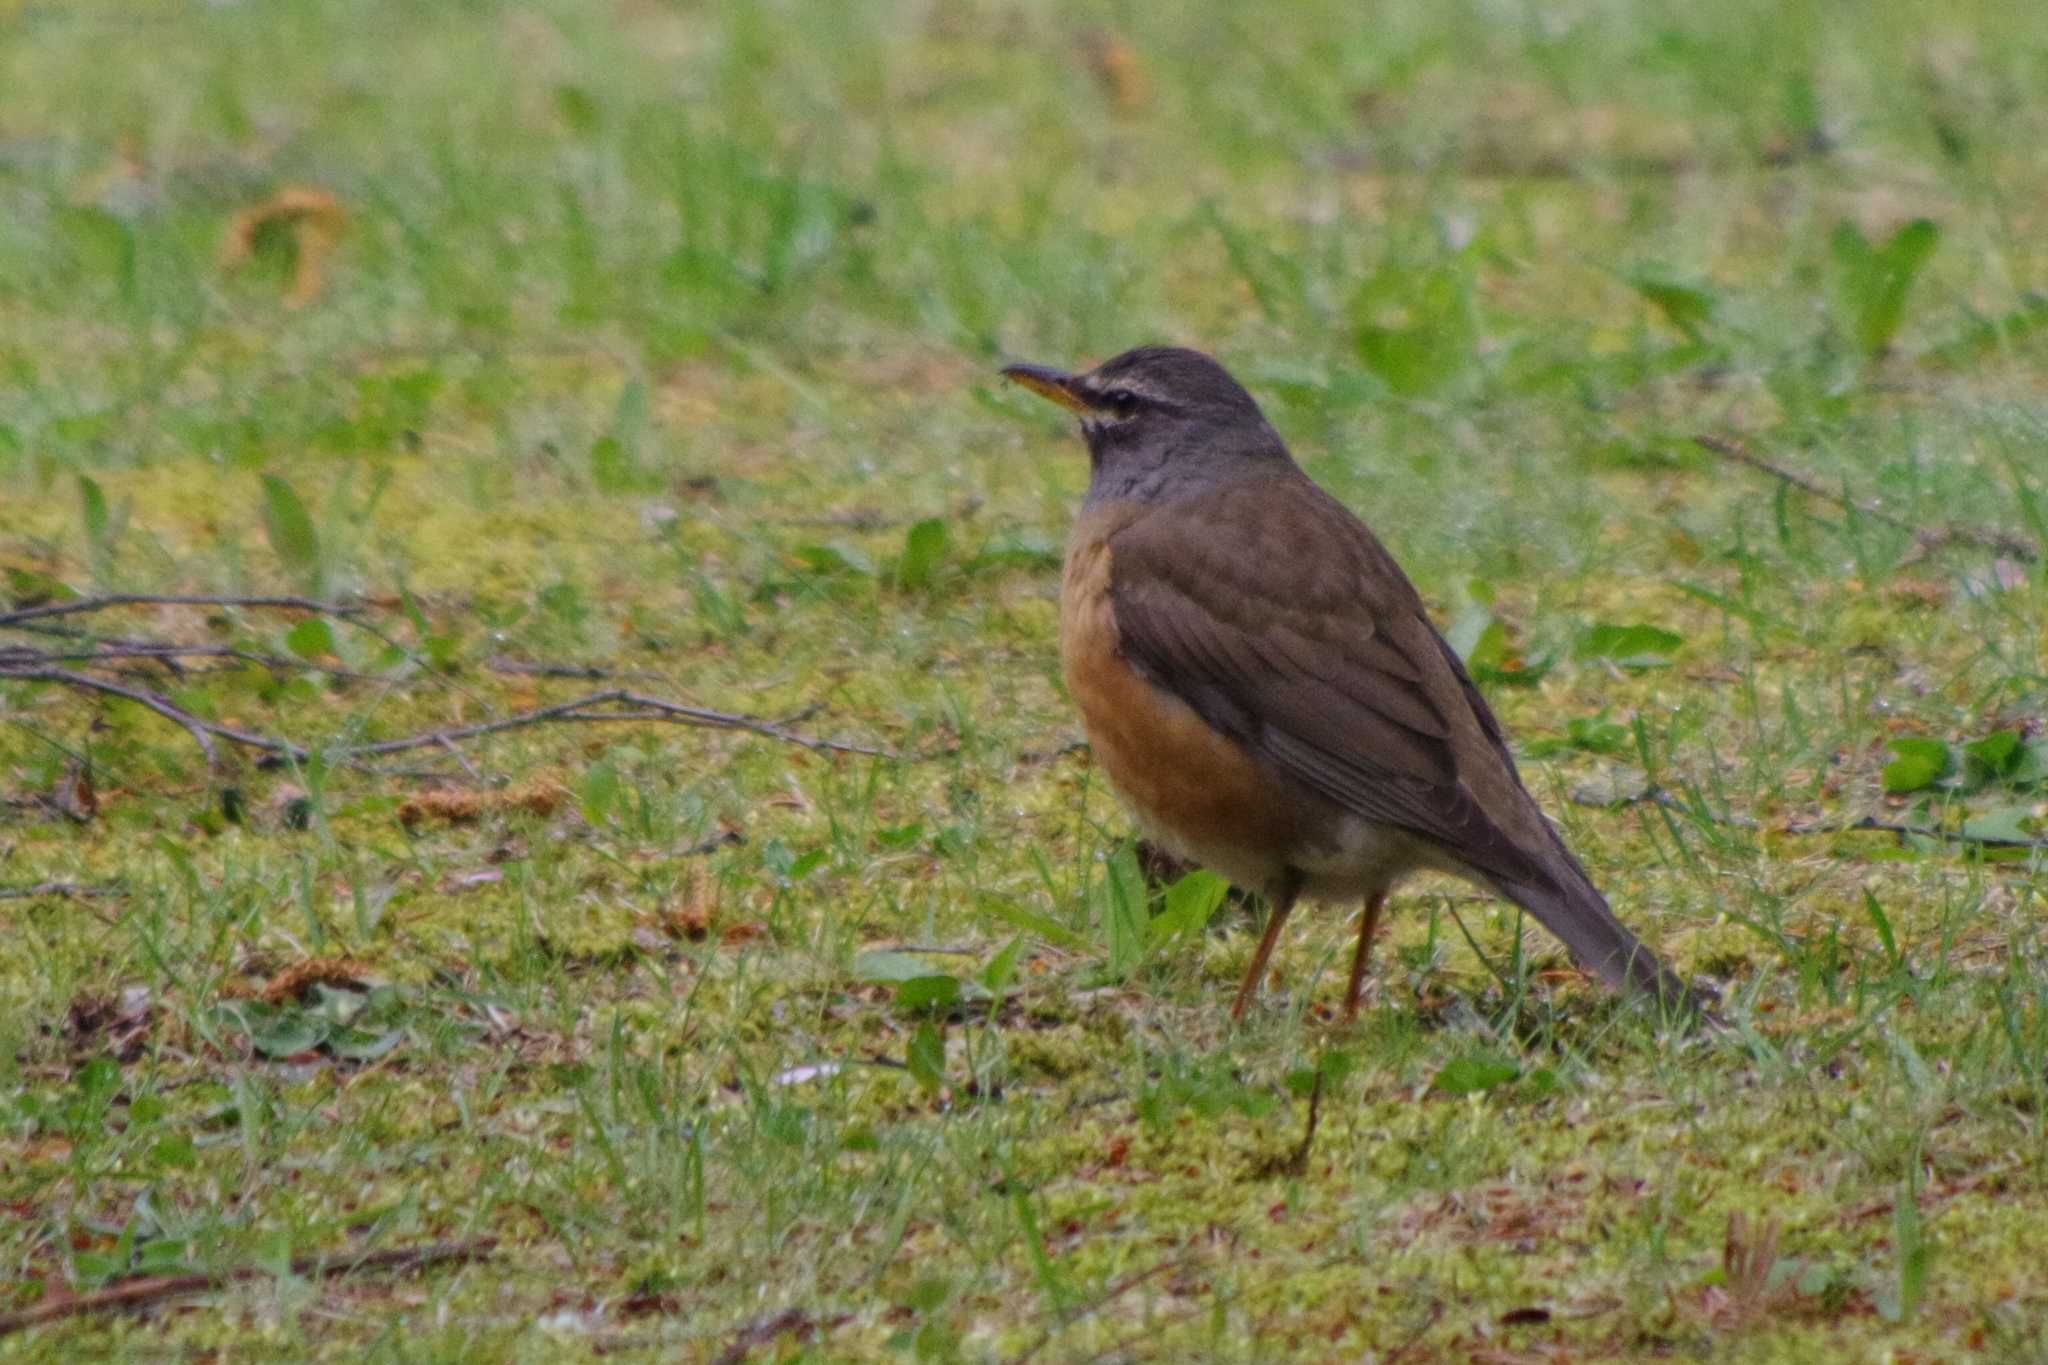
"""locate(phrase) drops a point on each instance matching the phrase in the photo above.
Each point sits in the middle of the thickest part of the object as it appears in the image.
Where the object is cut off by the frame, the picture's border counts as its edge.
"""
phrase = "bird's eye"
(1121, 401)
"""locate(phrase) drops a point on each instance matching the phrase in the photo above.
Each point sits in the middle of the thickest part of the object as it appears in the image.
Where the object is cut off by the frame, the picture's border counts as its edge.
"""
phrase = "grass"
(661, 339)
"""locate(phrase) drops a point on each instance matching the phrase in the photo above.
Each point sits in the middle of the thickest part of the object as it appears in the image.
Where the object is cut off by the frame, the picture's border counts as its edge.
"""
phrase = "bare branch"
(1657, 796)
(202, 731)
(1928, 538)
(66, 889)
(74, 605)
(623, 705)
(153, 1289)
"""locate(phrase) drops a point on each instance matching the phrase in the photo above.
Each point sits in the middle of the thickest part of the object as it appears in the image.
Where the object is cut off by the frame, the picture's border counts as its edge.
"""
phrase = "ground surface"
(658, 340)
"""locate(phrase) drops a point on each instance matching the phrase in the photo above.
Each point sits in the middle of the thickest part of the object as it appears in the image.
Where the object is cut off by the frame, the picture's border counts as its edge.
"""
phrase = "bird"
(1264, 689)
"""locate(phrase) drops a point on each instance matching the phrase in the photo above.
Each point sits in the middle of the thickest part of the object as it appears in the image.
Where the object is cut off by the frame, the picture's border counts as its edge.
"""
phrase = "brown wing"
(1287, 626)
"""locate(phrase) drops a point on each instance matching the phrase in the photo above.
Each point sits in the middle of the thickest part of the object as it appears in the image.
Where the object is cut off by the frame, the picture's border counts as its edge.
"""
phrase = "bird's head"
(1160, 421)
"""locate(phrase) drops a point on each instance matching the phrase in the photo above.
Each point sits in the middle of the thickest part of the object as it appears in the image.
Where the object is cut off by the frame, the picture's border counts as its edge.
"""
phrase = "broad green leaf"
(1883, 924)
(1918, 763)
(927, 1057)
(290, 1032)
(924, 546)
(1633, 646)
(1190, 902)
(1416, 330)
(92, 510)
(1995, 754)
(934, 991)
(1124, 912)
(1686, 307)
(1474, 1072)
(291, 532)
(1875, 280)
(835, 558)
(2005, 824)
(882, 964)
(310, 638)
(356, 1045)
(1047, 928)
(1002, 968)
(601, 788)
(611, 467)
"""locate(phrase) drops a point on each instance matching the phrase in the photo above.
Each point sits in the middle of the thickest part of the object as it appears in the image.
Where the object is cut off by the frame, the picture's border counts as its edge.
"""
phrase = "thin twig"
(764, 1330)
(115, 651)
(625, 706)
(532, 668)
(341, 611)
(9, 893)
(1100, 1302)
(1929, 538)
(202, 731)
(1657, 796)
(72, 606)
(152, 1289)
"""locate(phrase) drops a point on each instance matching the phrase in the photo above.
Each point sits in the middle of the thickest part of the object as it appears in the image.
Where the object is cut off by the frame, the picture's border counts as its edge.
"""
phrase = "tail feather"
(1568, 904)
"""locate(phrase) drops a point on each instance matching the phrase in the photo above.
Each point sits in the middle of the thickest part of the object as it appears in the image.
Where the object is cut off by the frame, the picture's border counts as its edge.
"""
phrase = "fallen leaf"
(1117, 69)
(454, 805)
(295, 980)
(314, 219)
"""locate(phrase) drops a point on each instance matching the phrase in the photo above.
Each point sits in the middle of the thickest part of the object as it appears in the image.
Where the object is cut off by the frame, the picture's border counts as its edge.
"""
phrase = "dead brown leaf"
(295, 980)
(1117, 69)
(113, 1025)
(310, 216)
(453, 805)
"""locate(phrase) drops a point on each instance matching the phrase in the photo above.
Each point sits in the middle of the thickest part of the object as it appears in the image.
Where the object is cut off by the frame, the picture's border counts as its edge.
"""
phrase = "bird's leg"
(1366, 928)
(1283, 902)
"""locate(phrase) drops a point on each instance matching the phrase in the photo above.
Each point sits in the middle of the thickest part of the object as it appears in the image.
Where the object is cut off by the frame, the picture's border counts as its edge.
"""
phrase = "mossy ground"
(656, 333)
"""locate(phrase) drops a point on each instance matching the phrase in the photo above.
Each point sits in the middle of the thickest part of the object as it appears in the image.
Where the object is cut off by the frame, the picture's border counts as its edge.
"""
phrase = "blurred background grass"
(644, 335)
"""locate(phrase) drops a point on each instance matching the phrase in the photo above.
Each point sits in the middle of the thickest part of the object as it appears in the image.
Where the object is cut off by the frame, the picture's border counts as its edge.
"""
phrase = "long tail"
(1567, 903)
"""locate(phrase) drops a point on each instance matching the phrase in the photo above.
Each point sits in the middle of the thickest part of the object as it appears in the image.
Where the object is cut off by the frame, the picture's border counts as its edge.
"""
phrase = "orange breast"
(1189, 786)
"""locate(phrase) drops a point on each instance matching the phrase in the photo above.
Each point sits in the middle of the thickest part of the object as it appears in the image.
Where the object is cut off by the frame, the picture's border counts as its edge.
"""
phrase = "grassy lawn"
(651, 346)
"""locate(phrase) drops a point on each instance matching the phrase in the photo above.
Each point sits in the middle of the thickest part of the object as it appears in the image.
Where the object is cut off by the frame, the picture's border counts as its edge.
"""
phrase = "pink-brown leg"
(1283, 904)
(1366, 929)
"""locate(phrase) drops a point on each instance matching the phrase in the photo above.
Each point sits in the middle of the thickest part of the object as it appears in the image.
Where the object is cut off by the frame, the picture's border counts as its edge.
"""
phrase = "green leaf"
(1047, 928)
(291, 533)
(1474, 1072)
(927, 1058)
(1686, 307)
(1002, 968)
(1875, 280)
(1124, 912)
(1883, 923)
(1634, 646)
(931, 992)
(887, 966)
(924, 546)
(1190, 902)
(1919, 763)
(310, 638)
(1995, 754)
(288, 1033)
(836, 558)
(92, 511)
(611, 468)
(1416, 330)
(2005, 824)
(2032, 765)
(30, 587)
(1476, 630)
(356, 1045)
(601, 789)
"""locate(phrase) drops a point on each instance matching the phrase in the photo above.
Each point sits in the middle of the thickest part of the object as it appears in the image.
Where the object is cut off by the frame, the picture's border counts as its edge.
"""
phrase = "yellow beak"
(1047, 382)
